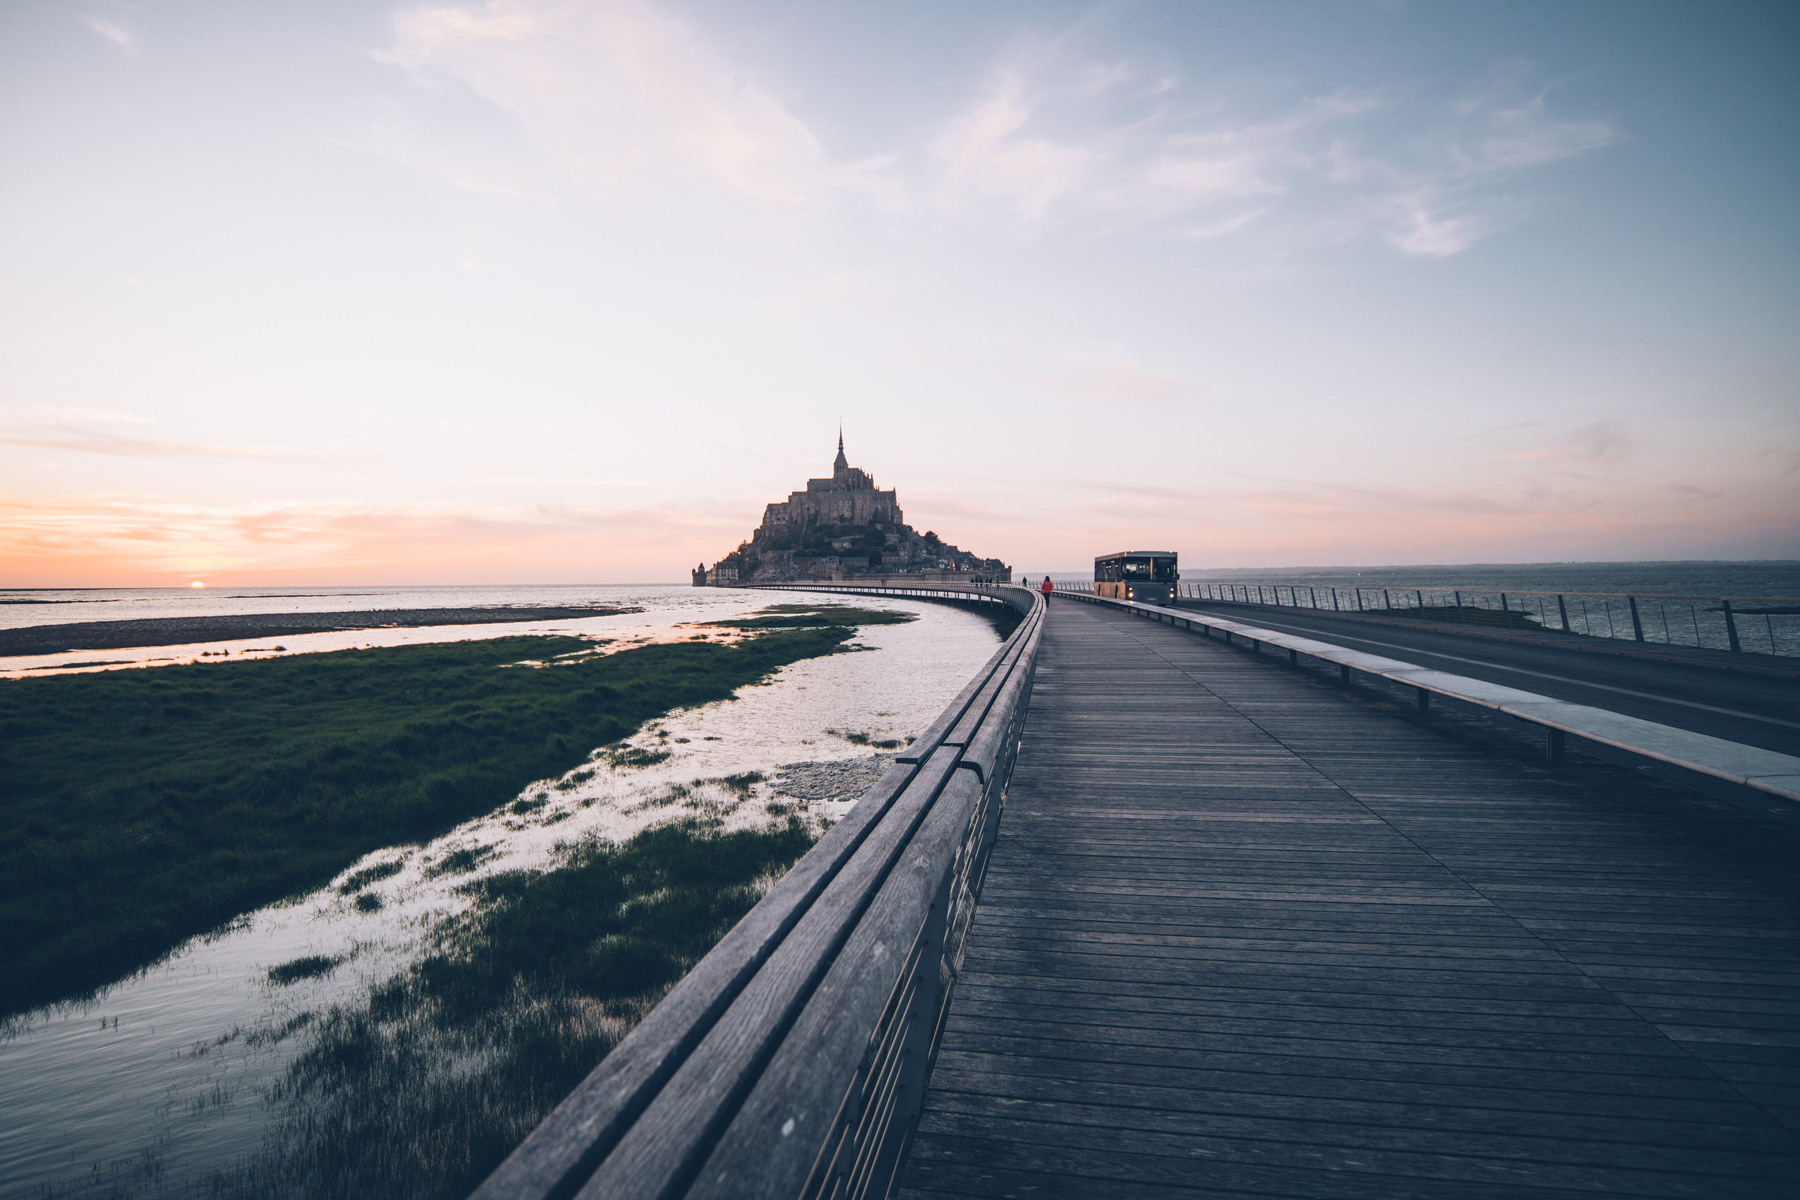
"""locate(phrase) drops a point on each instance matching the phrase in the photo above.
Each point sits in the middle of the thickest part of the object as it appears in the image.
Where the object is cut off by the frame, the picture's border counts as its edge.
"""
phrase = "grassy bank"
(147, 806)
(422, 1091)
(1005, 619)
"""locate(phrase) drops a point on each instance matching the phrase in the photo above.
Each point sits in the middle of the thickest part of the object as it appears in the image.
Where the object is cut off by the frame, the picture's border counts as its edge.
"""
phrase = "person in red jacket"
(1046, 587)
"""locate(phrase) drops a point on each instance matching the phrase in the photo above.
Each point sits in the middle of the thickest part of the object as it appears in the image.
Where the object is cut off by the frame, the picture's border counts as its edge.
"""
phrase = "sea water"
(1759, 579)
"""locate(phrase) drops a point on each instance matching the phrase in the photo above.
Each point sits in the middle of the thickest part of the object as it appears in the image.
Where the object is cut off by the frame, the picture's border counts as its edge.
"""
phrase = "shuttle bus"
(1147, 576)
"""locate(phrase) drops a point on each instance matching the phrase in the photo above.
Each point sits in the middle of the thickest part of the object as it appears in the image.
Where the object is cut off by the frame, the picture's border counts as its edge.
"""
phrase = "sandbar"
(180, 631)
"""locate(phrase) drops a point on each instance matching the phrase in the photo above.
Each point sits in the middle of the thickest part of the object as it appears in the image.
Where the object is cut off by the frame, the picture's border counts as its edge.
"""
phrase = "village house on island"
(844, 527)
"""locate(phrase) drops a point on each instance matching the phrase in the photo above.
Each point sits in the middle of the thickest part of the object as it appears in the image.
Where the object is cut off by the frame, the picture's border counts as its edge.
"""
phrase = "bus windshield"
(1135, 567)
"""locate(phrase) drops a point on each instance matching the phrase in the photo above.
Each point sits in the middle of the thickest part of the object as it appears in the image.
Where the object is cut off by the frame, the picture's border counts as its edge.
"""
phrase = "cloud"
(58, 429)
(112, 32)
(136, 538)
(1116, 376)
(1605, 443)
(1422, 226)
(1527, 135)
(78, 413)
(531, 98)
(1051, 138)
(613, 92)
(1043, 137)
(1453, 191)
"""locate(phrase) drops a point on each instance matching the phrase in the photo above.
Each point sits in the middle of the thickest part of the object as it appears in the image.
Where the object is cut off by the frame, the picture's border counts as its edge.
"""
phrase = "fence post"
(1334, 600)
(1387, 601)
(1731, 628)
(1461, 616)
(1505, 612)
(1312, 594)
(1563, 610)
(1420, 593)
(1637, 626)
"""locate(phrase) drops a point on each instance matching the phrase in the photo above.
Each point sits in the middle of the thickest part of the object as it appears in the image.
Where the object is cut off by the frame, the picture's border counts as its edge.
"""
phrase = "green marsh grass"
(356, 881)
(309, 967)
(857, 738)
(421, 1091)
(147, 806)
(813, 616)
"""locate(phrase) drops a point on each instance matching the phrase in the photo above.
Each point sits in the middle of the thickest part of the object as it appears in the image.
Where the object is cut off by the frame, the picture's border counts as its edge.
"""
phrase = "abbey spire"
(842, 464)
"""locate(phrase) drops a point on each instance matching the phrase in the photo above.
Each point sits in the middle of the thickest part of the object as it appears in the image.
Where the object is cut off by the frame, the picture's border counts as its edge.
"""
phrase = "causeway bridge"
(1200, 900)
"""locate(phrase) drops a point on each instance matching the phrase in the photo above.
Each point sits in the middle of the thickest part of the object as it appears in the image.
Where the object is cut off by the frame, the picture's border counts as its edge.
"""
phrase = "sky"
(555, 291)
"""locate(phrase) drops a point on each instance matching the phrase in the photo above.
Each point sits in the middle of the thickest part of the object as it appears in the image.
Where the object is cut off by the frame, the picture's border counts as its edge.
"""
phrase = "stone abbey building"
(844, 527)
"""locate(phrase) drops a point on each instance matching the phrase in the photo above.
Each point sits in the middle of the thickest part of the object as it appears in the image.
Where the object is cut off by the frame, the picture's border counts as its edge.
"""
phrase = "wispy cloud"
(1045, 138)
(124, 538)
(113, 32)
(1453, 189)
(1603, 443)
(1054, 138)
(65, 428)
(609, 96)
(614, 92)
(1115, 375)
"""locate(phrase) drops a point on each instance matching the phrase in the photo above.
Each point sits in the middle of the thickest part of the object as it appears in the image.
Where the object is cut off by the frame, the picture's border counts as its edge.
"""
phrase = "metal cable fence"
(1744, 624)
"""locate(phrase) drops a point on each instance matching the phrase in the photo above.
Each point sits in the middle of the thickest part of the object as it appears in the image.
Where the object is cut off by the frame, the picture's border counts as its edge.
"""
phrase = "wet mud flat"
(179, 631)
(398, 1028)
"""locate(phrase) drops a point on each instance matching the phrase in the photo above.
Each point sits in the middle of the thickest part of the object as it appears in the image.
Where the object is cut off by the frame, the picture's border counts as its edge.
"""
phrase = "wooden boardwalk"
(1244, 934)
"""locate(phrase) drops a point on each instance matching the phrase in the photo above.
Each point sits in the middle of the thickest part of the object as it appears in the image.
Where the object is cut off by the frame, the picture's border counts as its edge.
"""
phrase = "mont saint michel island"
(840, 528)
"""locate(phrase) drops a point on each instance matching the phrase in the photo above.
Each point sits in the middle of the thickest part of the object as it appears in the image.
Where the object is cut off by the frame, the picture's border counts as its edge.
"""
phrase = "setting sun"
(196, 584)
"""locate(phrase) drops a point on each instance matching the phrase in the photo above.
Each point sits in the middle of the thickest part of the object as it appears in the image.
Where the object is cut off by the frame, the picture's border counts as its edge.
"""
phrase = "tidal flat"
(225, 1068)
(154, 805)
(175, 631)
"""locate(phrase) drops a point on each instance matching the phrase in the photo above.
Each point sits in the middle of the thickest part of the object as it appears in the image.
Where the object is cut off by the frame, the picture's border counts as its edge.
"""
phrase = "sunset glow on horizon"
(551, 292)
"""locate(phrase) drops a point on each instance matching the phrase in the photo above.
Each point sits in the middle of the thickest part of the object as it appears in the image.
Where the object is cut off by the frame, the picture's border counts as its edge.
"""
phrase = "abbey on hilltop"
(844, 528)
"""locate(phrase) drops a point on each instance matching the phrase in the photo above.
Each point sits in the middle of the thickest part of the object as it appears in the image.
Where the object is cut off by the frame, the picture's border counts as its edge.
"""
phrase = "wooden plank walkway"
(1244, 934)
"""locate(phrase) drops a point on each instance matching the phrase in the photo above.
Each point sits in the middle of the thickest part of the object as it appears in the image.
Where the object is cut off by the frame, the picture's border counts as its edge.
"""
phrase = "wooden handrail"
(1731, 762)
(790, 1062)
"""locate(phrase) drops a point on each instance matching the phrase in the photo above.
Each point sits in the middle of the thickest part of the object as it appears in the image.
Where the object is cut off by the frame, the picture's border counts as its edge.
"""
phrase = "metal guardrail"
(1745, 624)
(1715, 758)
(791, 1061)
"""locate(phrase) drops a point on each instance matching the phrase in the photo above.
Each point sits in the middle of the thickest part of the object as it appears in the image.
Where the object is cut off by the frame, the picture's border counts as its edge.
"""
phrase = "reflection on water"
(39, 606)
(664, 605)
(164, 1079)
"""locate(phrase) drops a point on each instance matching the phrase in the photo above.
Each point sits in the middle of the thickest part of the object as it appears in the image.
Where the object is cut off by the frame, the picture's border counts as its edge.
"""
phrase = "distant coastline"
(178, 631)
